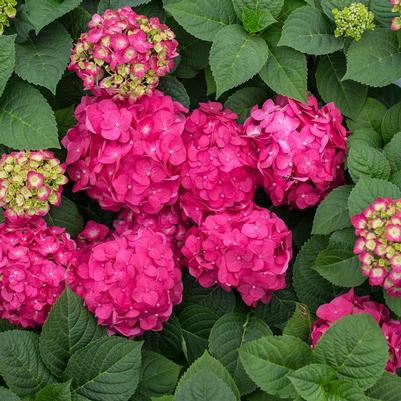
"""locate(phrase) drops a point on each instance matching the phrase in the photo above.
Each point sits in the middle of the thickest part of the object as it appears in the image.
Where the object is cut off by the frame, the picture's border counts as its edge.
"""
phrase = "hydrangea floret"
(301, 149)
(30, 182)
(130, 281)
(124, 54)
(249, 250)
(396, 21)
(33, 263)
(128, 155)
(7, 12)
(351, 304)
(220, 171)
(353, 21)
(378, 246)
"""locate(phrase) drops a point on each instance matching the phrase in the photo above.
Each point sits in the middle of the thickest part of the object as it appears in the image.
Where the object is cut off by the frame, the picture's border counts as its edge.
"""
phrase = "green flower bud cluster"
(30, 182)
(7, 11)
(353, 21)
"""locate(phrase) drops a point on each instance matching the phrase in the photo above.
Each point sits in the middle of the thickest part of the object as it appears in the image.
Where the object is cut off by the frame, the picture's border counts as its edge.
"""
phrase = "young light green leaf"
(371, 116)
(227, 336)
(362, 357)
(26, 119)
(171, 86)
(391, 123)
(299, 324)
(7, 59)
(114, 4)
(388, 388)
(309, 31)
(286, 72)
(55, 392)
(349, 96)
(256, 20)
(7, 395)
(202, 18)
(42, 12)
(43, 60)
(108, 367)
(269, 360)
(20, 363)
(392, 152)
(235, 57)
(68, 328)
(375, 60)
(367, 190)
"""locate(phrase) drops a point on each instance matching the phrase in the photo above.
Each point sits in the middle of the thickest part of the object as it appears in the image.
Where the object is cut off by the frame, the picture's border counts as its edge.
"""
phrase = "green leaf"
(202, 18)
(68, 328)
(392, 152)
(309, 31)
(256, 20)
(310, 381)
(7, 59)
(286, 72)
(20, 363)
(394, 303)
(7, 395)
(332, 213)
(236, 57)
(196, 324)
(262, 396)
(312, 289)
(371, 116)
(396, 179)
(242, 101)
(164, 398)
(269, 360)
(367, 190)
(5, 325)
(42, 12)
(171, 86)
(300, 323)
(339, 266)
(26, 119)
(274, 6)
(383, 11)
(226, 337)
(388, 388)
(355, 347)
(364, 160)
(343, 391)
(42, 61)
(375, 60)
(114, 4)
(55, 392)
(108, 367)
(349, 96)
(65, 119)
(66, 215)
(76, 22)
(159, 375)
(391, 123)
(365, 136)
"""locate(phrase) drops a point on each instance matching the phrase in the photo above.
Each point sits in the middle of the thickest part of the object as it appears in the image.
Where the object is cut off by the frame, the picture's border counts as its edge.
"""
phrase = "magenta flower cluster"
(129, 281)
(248, 250)
(378, 246)
(351, 304)
(123, 54)
(301, 149)
(33, 263)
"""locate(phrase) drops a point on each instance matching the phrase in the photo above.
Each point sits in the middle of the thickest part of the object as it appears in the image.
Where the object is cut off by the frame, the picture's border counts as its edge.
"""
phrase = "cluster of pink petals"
(249, 250)
(378, 246)
(351, 304)
(220, 172)
(124, 54)
(128, 155)
(33, 262)
(301, 149)
(130, 281)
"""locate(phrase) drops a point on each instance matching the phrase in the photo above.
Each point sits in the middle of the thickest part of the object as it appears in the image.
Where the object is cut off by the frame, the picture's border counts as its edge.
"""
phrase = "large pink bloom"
(33, 262)
(128, 155)
(130, 281)
(351, 304)
(219, 173)
(123, 54)
(248, 250)
(301, 149)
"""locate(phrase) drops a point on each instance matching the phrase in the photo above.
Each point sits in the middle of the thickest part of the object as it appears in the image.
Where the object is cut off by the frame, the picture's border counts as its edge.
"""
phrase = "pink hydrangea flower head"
(128, 155)
(351, 304)
(123, 54)
(130, 281)
(33, 263)
(219, 173)
(301, 149)
(248, 250)
(30, 182)
(378, 246)
(396, 21)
